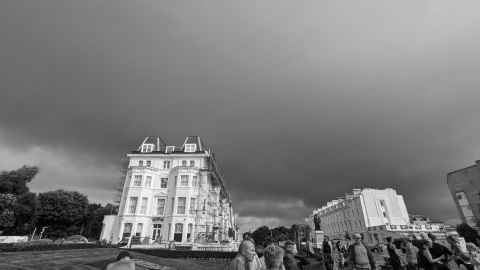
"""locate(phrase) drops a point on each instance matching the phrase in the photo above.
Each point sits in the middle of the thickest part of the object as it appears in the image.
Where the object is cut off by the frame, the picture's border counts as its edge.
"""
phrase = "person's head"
(268, 241)
(290, 247)
(357, 238)
(248, 236)
(432, 237)
(247, 249)
(273, 257)
(389, 239)
(123, 255)
(423, 244)
(326, 238)
(472, 248)
(338, 244)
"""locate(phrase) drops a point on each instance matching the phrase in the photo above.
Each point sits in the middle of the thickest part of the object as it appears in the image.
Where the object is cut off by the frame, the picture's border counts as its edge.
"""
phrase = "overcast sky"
(301, 100)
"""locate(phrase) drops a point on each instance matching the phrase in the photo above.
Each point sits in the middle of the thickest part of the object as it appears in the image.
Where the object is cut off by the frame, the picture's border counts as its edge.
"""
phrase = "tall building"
(172, 193)
(374, 213)
(464, 184)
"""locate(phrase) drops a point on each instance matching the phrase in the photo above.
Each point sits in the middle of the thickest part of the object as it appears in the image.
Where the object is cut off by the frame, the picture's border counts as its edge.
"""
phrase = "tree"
(261, 234)
(63, 212)
(17, 215)
(467, 232)
(15, 182)
(94, 218)
(7, 215)
(25, 213)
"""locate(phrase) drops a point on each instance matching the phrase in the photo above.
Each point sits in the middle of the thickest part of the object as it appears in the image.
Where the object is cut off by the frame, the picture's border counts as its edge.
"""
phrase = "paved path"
(94, 259)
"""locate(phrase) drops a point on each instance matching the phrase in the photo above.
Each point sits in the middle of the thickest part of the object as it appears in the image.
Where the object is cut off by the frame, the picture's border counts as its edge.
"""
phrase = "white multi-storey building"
(172, 193)
(374, 213)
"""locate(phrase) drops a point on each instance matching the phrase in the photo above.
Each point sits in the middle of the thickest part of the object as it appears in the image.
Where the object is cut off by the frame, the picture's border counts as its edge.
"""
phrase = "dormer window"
(170, 149)
(146, 148)
(190, 147)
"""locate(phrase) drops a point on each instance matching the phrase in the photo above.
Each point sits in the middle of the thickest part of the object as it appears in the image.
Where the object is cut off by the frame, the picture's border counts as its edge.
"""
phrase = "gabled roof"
(158, 143)
(193, 140)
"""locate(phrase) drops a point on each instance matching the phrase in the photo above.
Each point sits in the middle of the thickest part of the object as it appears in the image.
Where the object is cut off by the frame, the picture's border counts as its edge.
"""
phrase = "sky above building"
(301, 101)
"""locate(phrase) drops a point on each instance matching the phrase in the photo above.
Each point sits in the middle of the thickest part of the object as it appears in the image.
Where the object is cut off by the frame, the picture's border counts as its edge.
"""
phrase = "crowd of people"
(407, 253)
(266, 256)
(426, 253)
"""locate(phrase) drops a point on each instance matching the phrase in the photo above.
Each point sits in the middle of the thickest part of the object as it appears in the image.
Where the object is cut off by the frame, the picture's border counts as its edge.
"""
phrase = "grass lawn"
(92, 259)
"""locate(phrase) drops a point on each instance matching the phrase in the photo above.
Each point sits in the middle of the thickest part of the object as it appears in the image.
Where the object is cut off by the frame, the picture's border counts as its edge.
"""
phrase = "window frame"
(135, 179)
(157, 204)
(183, 206)
(183, 178)
(130, 204)
(147, 148)
(190, 148)
(144, 206)
(162, 181)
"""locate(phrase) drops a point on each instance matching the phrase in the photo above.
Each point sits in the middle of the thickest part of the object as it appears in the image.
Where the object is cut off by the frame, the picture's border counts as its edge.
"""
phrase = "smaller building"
(464, 185)
(373, 213)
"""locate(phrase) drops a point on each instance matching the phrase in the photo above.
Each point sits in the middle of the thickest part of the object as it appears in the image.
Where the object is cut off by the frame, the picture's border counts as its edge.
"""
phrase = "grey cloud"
(300, 100)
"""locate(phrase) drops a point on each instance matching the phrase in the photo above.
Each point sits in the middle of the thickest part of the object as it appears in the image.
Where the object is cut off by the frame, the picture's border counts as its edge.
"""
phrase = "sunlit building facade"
(374, 213)
(464, 185)
(172, 194)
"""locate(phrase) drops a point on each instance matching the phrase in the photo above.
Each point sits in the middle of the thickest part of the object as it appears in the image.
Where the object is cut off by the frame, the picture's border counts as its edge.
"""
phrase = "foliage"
(15, 182)
(467, 232)
(18, 216)
(7, 215)
(25, 213)
(94, 218)
(63, 212)
(261, 235)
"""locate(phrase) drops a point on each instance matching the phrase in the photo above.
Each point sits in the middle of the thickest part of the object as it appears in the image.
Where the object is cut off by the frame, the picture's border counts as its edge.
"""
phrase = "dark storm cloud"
(302, 101)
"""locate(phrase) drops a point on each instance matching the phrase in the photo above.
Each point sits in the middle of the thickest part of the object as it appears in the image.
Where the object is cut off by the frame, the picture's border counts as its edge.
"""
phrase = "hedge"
(185, 254)
(12, 247)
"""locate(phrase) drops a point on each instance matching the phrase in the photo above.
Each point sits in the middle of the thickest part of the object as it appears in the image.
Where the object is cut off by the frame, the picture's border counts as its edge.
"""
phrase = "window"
(139, 229)
(133, 205)
(192, 163)
(127, 230)
(163, 183)
(140, 163)
(143, 209)
(192, 206)
(149, 163)
(147, 148)
(465, 207)
(190, 147)
(160, 206)
(195, 181)
(148, 181)
(184, 163)
(166, 164)
(170, 149)
(181, 205)
(183, 180)
(137, 180)
(189, 233)
(177, 237)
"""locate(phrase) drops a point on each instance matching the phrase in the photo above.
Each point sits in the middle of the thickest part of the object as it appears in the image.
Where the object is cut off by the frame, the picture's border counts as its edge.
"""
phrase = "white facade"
(172, 194)
(362, 210)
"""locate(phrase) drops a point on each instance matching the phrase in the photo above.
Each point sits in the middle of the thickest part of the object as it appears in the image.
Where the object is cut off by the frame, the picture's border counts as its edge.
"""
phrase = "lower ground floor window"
(177, 236)
(127, 230)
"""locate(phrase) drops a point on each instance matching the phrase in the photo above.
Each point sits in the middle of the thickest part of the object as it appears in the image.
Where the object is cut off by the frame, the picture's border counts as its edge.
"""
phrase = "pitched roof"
(158, 142)
(193, 140)
(160, 145)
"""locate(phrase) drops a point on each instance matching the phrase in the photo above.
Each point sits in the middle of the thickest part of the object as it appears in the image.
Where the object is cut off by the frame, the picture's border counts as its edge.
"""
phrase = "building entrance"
(156, 234)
